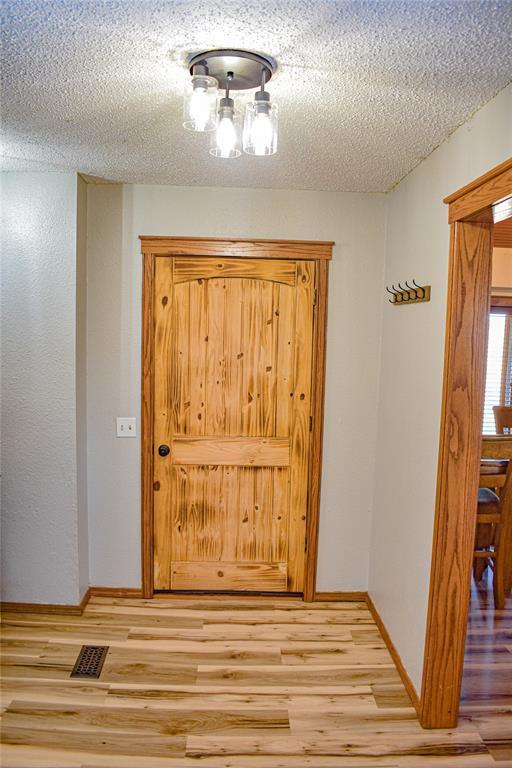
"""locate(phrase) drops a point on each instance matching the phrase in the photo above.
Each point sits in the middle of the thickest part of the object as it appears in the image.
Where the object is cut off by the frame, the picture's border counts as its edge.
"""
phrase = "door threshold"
(227, 593)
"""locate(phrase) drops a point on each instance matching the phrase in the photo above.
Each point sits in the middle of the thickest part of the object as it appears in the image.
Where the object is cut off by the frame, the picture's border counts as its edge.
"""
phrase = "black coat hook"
(413, 293)
(421, 289)
(393, 300)
(399, 295)
(404, 291)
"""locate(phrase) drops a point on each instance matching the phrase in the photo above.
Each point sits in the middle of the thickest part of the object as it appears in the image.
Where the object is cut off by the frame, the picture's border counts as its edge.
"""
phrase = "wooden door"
(233, 357)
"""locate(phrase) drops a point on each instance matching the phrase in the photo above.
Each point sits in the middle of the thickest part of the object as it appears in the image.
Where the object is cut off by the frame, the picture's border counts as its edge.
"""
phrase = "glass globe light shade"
(226, 139)
(260, 126)
(200, 103)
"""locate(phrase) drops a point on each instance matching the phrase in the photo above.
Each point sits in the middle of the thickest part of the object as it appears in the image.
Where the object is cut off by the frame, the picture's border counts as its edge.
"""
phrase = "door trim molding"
(241, 248)
(147, 425)
(154, 247)
(469, 282)
(317, 416)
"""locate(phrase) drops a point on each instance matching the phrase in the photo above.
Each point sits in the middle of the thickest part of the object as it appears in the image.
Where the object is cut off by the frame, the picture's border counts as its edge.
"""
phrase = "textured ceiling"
(365, 88)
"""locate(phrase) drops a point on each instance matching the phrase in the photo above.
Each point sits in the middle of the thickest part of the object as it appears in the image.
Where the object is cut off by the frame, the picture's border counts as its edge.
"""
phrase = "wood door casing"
(233, 350)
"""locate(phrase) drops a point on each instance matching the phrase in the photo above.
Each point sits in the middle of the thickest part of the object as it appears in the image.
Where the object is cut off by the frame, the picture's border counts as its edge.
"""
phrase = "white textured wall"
(116, 217)
(411, 375)
(39, 488)
(113, 383)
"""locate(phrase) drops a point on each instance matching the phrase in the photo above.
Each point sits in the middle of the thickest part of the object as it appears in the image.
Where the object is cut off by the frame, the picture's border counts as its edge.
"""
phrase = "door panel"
(260, 577)
(234, 501)
(235, 451)
(196, 269)
(232, 399)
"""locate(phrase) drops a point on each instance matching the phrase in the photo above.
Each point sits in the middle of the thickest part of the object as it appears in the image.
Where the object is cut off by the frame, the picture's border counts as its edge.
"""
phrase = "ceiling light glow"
(260, 126)
(233, 70)
(226, 140)
(200, 102)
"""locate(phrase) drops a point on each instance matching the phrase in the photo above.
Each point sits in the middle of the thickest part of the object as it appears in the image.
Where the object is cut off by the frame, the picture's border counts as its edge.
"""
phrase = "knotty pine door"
(232, 402)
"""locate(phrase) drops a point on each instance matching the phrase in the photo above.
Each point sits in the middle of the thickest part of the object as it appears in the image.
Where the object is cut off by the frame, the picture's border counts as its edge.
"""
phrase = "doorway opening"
(473, 211)
(487, 678)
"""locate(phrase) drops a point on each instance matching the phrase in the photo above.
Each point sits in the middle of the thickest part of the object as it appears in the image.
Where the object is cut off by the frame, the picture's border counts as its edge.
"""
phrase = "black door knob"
(164, 450)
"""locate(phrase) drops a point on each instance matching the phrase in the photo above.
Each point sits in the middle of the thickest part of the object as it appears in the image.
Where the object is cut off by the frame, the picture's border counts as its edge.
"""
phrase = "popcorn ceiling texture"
(365, 89)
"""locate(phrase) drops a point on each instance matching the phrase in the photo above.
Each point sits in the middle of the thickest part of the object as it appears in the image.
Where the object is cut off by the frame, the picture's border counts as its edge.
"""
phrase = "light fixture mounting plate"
(247, 67)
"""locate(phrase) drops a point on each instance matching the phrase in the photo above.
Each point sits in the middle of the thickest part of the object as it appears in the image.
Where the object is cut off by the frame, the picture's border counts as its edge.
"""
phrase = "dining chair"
(493, 538)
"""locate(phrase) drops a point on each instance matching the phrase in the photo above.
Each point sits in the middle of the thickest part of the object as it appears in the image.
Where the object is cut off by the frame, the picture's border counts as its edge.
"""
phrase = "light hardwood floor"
(233, 684)
(486, 699)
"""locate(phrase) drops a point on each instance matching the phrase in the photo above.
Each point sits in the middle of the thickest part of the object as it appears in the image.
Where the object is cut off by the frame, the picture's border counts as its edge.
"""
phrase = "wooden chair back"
(503, 418)
(492, 481)
(498, 448)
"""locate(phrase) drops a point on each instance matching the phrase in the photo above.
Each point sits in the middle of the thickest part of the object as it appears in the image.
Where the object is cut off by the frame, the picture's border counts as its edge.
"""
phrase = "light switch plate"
(126, 426)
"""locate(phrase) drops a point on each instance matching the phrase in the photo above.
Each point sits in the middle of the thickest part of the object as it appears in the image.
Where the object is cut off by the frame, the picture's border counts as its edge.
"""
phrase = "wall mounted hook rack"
(411, 294)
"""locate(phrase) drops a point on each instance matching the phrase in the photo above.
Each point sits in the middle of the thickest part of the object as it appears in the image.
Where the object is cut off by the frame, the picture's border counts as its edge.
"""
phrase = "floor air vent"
(90, 661)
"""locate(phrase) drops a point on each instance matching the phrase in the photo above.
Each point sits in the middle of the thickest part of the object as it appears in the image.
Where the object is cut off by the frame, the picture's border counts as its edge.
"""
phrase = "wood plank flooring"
(486, 699)
(238, 684)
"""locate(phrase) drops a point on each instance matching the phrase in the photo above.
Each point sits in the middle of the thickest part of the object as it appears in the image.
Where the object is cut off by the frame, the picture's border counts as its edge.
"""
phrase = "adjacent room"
(486, 682)
(256, 383)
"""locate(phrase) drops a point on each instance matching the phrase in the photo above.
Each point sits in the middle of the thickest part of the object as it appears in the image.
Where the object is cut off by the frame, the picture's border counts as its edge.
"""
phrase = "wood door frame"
(319, 251)
(470, 216)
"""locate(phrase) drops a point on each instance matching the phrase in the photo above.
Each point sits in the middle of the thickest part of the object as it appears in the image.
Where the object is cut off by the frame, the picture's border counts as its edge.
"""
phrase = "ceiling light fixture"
(233, 70)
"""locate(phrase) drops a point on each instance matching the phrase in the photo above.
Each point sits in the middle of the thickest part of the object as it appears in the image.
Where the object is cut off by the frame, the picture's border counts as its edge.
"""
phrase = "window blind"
(498, 376)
